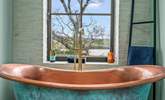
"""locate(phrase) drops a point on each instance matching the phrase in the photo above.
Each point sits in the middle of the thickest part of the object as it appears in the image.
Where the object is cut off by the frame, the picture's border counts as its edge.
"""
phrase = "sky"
(102, 6)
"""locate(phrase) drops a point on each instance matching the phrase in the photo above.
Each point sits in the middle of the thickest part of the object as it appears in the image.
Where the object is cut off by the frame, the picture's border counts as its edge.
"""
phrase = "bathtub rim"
(85, 86)
(87, 70)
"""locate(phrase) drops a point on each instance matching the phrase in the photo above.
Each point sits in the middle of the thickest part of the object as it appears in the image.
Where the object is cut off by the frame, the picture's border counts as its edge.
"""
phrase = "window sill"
(86, 67)
(87, 63)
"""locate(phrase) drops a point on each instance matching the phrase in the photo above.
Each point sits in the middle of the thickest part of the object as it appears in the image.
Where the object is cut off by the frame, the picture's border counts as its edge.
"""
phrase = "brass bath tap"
(78, 52)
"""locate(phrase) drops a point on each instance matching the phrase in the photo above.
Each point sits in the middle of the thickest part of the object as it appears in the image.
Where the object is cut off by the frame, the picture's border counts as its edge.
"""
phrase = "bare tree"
(92, 31)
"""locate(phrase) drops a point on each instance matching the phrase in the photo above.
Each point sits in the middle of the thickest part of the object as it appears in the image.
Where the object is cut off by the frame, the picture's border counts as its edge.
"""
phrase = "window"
(64, 19)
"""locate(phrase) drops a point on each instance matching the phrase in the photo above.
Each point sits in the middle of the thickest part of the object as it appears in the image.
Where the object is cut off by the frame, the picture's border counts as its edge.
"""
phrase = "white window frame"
(116, 37)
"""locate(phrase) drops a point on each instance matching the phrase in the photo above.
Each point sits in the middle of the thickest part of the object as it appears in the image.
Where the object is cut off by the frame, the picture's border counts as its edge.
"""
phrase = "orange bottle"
(110, 57)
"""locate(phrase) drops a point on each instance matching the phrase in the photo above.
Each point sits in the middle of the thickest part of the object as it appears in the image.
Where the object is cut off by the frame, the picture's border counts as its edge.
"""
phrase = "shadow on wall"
(161, 84)
(5, 87)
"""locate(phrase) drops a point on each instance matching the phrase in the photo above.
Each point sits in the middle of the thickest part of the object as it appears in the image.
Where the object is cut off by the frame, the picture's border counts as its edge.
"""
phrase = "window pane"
(58, 6)
(98, 6)
(96, 35)
(63, 32)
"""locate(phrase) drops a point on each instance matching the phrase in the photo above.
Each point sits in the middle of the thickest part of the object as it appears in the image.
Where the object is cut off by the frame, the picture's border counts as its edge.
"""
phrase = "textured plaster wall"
(5, 45)
(28, 30)
(161, 40)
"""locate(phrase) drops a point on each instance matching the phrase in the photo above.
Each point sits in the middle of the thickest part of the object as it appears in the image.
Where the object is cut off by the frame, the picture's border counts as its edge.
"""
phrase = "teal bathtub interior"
(30, 92)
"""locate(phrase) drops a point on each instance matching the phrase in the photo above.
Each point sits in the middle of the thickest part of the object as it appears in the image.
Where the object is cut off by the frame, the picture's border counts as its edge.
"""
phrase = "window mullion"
(112, 25)
(49, 28)
(95, 14)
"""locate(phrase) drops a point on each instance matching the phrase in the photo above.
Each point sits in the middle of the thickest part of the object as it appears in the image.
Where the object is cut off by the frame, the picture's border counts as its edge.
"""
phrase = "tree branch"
(85, 5)
(79, 1)
(67, 42)
(61, 21)
(67, 11)
(69, 8)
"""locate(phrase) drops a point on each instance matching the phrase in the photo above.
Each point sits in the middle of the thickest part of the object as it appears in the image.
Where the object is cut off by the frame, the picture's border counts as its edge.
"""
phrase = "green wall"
(5, 44)
(28, 31)
(162, 30)
(161, 54)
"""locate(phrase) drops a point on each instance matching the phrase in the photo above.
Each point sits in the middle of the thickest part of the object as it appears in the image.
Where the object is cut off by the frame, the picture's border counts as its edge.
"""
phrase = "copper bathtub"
(125, 77)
